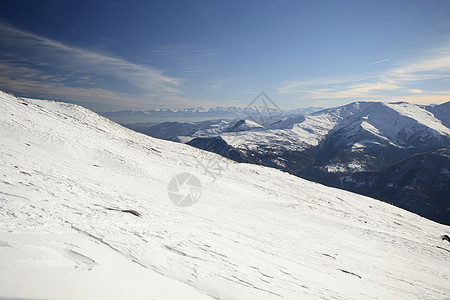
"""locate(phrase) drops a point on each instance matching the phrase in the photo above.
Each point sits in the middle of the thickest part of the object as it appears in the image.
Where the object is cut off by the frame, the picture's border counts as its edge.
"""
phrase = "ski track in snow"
(255, 233)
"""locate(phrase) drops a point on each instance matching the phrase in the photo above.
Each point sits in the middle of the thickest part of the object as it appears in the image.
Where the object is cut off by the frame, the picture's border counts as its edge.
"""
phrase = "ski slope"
(255, 233)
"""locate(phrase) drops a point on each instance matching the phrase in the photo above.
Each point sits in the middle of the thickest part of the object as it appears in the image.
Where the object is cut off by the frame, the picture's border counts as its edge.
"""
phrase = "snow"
(256, 232)
(185, 139)
(361, 144)
(396, 124)
(295, 133)
(248, 125)
(421, 115)
(399, 122)
(350, 167)
(64, 264)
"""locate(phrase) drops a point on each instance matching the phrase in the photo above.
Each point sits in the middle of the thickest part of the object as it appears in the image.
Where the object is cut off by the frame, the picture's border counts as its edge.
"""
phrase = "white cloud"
(376, 62)
(355, 91)
(415, 91)
(34, 64)
(301, 86)
(400, 82)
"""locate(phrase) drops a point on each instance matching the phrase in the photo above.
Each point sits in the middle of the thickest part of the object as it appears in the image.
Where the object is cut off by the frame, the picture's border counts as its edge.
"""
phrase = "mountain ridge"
(194, 114)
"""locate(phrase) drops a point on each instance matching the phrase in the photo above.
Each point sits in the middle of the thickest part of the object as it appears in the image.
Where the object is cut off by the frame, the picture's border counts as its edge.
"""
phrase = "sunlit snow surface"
(255, 233)
(397, 124)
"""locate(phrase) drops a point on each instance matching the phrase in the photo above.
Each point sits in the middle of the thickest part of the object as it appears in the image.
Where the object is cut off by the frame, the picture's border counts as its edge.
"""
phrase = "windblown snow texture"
(256, 232)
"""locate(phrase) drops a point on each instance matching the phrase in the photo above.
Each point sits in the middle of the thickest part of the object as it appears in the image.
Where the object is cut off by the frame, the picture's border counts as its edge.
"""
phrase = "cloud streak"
(375, 62)
(403, 82)
(38, 66)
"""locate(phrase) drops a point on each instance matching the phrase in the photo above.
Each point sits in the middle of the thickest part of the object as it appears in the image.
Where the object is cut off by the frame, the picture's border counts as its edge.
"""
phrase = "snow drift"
(256, 232)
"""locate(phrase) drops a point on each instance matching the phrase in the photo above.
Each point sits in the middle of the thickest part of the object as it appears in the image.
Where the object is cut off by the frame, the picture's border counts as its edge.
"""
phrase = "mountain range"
(155, 116)
(365, 147)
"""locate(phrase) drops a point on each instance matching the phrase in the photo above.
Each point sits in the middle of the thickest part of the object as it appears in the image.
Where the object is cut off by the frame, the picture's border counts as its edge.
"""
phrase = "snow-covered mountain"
(400, 125)
(244, 125)
(441, 112)
(255, 233)
(335, 143)
(183, 132)
(195, 114)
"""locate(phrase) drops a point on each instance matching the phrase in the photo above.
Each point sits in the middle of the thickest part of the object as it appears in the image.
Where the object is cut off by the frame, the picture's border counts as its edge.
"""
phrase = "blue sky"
(113, 55)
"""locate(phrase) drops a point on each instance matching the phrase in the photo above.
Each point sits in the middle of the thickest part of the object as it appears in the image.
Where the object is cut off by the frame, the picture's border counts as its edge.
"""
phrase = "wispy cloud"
(188, 59)
(376, 62)
(35, 65)
(404, 81)
(303, 86)
(434, 67)
(354, 91)
(216, 85)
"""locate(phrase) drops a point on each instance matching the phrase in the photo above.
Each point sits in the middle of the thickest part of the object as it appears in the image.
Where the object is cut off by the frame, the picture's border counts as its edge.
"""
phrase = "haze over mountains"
(256, 232)
(365, 147)
(192, 114)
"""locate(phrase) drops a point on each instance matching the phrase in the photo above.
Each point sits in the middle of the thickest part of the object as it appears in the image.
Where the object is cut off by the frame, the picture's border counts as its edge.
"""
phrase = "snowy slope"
(400, 124)
(255, 233)
(441, 112)
(244, 125)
